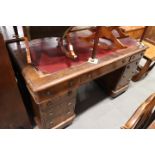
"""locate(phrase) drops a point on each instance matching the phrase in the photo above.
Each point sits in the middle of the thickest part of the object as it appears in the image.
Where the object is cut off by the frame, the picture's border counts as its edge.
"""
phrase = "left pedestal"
(57, 112)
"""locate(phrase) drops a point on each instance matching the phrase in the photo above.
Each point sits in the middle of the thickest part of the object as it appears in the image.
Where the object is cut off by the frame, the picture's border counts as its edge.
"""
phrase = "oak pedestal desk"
(54, 94)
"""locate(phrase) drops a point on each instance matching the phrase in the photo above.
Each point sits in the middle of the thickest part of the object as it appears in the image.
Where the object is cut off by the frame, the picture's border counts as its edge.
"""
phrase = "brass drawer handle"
(123, 61)
(50, 113)
(51, 123)
(69, 93)
(69, 112)
(133, 57)
(128, 67)
(70, 103)
(49, 103)
(89, 75)
(48, 93)
(70, 84)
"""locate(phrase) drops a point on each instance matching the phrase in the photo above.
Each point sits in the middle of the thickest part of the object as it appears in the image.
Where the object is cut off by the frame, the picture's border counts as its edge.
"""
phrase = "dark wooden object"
(54, 95)
(149, 40)
(143, 117)
(12, 111)
(135, 32)
(96, 41)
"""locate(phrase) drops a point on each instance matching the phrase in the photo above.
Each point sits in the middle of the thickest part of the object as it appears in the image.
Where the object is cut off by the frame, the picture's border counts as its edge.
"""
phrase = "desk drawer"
(110, 68)
(85, 78)
(57, 90)
(49, 104)
(136, 56)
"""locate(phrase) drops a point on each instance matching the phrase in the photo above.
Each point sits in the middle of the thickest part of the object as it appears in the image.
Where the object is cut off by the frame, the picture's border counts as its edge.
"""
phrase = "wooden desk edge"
(31, 84)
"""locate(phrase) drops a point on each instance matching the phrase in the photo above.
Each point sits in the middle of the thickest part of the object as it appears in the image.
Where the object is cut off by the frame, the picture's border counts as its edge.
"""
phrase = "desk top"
(64, 69)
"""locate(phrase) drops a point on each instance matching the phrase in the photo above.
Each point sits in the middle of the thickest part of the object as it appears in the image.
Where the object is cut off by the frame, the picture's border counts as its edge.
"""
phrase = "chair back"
(141, 118)
(150, 34)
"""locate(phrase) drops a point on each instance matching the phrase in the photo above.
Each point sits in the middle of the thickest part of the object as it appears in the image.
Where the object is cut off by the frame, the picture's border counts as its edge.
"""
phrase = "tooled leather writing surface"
(48, 58)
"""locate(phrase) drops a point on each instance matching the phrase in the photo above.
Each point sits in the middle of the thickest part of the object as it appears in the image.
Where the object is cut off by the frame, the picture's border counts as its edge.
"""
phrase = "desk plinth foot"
(61, 125)
(115, 93)
(65, 123)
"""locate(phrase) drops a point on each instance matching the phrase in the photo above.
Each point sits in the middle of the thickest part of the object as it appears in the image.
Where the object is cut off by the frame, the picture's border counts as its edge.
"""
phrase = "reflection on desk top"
(49, 59)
